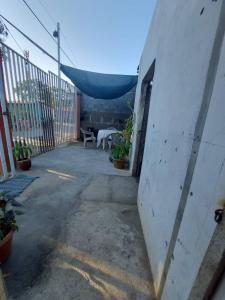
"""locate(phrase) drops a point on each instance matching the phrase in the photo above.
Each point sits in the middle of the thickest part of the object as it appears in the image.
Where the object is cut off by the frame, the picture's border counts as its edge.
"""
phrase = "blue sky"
(99, 35)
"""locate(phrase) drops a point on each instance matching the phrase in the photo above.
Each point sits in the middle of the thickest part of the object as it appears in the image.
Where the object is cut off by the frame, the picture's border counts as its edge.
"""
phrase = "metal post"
(59, 73)
(77, 116)
(59, 76)
(7, 139)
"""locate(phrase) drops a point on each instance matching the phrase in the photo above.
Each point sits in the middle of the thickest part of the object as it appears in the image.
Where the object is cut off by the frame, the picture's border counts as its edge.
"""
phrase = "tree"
(3, 31)
(33, 90)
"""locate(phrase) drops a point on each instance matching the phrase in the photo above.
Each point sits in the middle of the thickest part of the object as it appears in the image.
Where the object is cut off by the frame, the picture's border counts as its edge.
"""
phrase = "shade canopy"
(98, 85)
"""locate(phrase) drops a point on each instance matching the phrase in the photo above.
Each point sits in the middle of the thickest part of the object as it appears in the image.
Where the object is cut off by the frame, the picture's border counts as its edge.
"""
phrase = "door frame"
(139, 116)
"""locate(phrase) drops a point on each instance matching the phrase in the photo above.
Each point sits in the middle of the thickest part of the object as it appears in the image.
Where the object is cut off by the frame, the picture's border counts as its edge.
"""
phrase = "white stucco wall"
(181, 40)
(208, 189)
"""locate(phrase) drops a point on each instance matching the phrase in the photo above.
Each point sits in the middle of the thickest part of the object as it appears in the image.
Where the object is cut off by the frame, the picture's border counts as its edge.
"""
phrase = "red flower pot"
(5, 247)
(119, 163)
(24, 165)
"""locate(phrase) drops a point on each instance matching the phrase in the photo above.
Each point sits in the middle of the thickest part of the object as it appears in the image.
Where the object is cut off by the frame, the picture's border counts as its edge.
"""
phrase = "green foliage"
(3, 31)
(129, 123)
(118, 151)
(21, 151)
(7, 217)
(37, 89)
(41, 92)
(127, 132)
(121, 149)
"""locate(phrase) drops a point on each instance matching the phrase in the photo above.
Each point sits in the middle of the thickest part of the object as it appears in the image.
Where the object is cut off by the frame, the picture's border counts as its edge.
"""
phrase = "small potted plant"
(7, 227)
(22, 153)
(118, 156)
(120, 152)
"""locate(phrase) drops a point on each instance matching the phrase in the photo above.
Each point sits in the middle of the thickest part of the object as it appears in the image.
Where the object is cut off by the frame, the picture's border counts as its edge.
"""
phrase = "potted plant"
(22, 153)
(120, 152)
(7, 227)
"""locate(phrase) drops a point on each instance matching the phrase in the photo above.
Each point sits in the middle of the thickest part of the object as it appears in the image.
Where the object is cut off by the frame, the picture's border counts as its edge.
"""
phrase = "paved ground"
(79, 235)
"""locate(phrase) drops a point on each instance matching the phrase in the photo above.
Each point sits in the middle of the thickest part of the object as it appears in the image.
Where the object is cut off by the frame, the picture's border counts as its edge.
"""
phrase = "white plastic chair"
(88, 136)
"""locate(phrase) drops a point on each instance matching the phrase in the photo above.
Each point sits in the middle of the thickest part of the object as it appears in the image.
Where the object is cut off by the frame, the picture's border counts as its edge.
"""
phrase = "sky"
(105, 36)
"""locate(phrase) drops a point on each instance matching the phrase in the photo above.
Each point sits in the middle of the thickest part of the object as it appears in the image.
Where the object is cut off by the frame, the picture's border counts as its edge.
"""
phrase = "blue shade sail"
(100, 86)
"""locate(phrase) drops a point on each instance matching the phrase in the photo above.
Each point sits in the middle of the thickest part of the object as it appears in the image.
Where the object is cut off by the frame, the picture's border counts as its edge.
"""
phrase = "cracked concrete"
(79, 232)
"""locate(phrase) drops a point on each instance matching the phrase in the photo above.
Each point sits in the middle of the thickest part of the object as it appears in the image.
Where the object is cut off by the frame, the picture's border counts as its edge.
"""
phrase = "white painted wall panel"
(208, 188)
(181, 41)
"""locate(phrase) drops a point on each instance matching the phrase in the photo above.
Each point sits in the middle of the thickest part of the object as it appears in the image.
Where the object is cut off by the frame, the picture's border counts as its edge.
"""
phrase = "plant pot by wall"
(24, 165)
(119, 163)
(5, 247)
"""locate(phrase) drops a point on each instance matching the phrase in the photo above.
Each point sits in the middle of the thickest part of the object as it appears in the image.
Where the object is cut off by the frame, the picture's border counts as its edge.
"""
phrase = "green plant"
(127, 132)
(121, 149)
(118, 151)
(7, 217)
(21, 151)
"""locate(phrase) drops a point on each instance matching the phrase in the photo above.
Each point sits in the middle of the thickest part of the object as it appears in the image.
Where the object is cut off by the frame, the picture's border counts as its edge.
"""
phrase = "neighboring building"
(179, 146)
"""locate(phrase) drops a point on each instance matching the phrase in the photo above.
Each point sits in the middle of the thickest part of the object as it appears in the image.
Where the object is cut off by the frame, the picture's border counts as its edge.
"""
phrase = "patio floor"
(79, 232)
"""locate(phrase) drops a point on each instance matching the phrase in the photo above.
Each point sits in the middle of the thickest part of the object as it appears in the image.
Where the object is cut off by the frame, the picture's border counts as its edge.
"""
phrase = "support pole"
(59, 81)
(59, 73)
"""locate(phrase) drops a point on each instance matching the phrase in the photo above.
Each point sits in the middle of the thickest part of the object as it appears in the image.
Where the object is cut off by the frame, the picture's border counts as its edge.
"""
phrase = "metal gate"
(31, 109)
(37, 114)
(64, 109)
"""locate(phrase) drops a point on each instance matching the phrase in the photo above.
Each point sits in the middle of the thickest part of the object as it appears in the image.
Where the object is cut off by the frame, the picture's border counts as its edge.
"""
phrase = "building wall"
(101, 114)
(206, 190)
(182, 171)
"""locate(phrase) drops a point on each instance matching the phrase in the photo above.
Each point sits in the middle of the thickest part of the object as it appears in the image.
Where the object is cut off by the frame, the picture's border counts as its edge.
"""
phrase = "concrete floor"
(79, 232)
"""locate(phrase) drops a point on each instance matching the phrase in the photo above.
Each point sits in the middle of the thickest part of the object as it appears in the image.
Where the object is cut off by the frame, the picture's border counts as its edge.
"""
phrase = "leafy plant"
(118, 151)
(7, 217)
(127, 132)
(121, 149)
(21, 151)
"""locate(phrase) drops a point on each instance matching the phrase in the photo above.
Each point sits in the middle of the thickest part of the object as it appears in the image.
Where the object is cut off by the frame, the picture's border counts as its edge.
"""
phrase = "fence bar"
(3, 160)
(26, 100)
(6, 146)
(14, 104)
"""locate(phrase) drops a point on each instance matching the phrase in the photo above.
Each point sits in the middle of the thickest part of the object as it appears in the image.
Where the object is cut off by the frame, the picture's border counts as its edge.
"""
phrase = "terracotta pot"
(24, 165)
(5, 247)
(119, 163)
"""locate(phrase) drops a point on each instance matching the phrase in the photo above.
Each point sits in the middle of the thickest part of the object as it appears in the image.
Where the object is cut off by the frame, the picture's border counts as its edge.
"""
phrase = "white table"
(103, 134)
